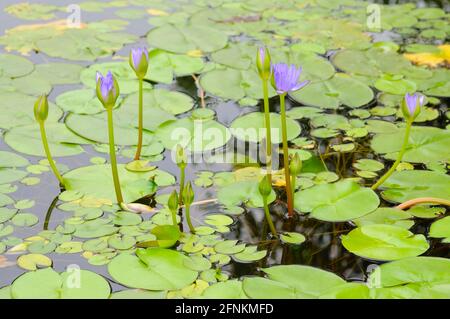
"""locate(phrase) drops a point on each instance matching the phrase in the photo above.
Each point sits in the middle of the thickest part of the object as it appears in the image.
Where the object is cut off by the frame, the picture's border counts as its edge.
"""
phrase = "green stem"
(398, 160)
(269, 219)
(182, 177)
(112, 155)
(188, 218)
(286, 156)
(140, 123)
(174, 218)
(47, 152)
(268, 130)
(293, 182)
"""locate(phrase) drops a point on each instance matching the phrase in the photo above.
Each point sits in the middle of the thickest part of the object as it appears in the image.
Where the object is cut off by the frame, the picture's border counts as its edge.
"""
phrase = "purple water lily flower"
(136, 56)
(286, 78)
(106, 84)
(411, 102)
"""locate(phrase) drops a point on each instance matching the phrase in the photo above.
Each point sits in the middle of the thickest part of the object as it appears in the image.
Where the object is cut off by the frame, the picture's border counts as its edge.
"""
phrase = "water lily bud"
(139, 61)
(41, 108)
(263, 62)
(265, 188)
(181, 158)
(107, 89)
(173, 201)
(286, 78)
(411, 106)
(295, 166)
(188, 194)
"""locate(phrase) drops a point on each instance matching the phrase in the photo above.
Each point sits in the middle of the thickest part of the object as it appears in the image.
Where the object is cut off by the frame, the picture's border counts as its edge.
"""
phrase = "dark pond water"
(323, 249)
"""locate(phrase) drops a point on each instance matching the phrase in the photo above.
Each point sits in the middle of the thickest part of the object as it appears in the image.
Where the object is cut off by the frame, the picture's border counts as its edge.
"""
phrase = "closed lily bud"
(295, 166)
(265, 188)
(107, 89)
(41, 108)
(173, 201)
(188, 194)
(411, 105)
(263, 62)
(181, 158)
(139, 61)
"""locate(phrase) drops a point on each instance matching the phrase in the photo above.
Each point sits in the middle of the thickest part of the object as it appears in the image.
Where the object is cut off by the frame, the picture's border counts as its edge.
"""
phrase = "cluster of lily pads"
(355, 105)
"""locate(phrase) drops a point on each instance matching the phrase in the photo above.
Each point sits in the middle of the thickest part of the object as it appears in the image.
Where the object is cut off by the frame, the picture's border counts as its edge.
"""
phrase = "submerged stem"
(286, 155)
(268, 130)
(268, 217)
(112, 155)
(48, 154)
(398, 160)
(140, 122)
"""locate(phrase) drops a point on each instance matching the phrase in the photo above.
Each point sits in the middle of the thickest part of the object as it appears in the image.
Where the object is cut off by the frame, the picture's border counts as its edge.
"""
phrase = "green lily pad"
(165, 66)
(246, 192)
(9, 159)
(292, 238)
(251, 127)
(231, 289)
(14, 66)
(17, 110)
(62, 142)
(184, 39)
(33, 261)
(48, 284)
(292, 281)
(330, 94)
(134, 184)
(193, 135)
(441, 229)
(386, 215)
(340, 201)
(59, 73)
(384, 242)
(95, 228)
(405, 185)
(233, 84)
(6, 214)
(412, 278)
(426, 144)
(152, 269)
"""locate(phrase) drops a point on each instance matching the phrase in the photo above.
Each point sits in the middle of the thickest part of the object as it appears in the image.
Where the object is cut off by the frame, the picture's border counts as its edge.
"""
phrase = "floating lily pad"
(341, 201)
(245, 192)
(62, 142)
(441, 229)
(231, 289)
(185, 38)
(292, 281)
(412, 278)
(251, 127)
(330, 94)
(405, 185)
(426, 144)
(134, 184)
(233, 84)
(33, 261)
(193, 135)
(17, 110)
(384, 242)
(386, 215)
(165, 66)
(152, 269)
(48, 284)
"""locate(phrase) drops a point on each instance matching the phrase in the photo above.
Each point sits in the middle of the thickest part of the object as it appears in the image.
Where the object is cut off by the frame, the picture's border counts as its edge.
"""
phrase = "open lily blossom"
(286, 78)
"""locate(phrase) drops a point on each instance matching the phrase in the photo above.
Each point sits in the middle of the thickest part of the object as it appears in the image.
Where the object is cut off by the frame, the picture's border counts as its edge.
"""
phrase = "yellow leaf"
(429, 58)
(156, 12)
(195, 53)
